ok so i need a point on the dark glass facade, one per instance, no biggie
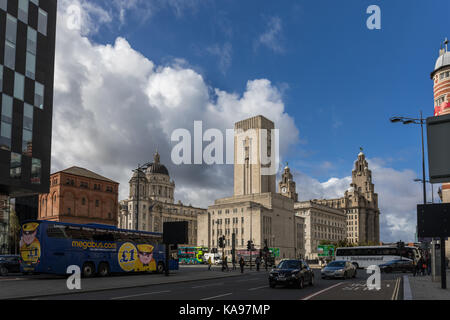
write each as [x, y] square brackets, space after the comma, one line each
[27, 54]
[27, 58]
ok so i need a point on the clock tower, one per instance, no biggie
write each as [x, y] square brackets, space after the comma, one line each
[286, 187]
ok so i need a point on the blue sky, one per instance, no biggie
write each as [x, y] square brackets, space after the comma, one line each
[336, 81]
[341, 81]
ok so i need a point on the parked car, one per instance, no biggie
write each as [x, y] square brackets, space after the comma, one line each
[9, 264]
[291, 272]
[403, 265]
[339, 269]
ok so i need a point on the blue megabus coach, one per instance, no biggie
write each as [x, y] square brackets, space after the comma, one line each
[51, 247]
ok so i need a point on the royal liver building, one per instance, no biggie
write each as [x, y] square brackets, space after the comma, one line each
[153, 191]
[360, 204]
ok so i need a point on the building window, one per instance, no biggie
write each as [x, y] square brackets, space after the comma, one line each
[42, 22]
[30, 65]
[83, 201]
[23, 11]
[444, 75]
[97, 203]
[27, 135]
[16, 166]
[36, 169]
[39, 95]
[6, 122]
[31, 40]
[10, 55]
[440, 100]
[11, 28]
[1, 78]
[19, 86]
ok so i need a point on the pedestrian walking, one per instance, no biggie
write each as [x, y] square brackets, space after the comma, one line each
[234, 263]
[265, 263]
[418, 268]
[241, 264]
[209, 263]
[226, 264]
[257, 262]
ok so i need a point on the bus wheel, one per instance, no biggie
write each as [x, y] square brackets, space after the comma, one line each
[103, 269]
[88, 270]
[356, 265]
[3, 271]
[160, 268]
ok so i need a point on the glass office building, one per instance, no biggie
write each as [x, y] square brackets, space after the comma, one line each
[27, 54]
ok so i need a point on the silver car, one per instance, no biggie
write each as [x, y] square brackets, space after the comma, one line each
[339, 269]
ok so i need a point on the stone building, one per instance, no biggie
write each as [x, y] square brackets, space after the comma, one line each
[78, 195]
[360, 204]
[152, 191]
[321, 222]
[255, 212]
[441, 91]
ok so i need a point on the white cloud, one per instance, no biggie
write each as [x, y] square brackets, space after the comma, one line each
[224, 53]
[271, 38]
[398, 197]
[113, 107]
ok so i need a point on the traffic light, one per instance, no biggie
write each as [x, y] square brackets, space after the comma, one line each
[222, 242]
[249, 245]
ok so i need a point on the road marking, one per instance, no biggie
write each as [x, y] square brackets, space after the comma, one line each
[14, 279]
[396, 289]
[138, 295]
[247, 280]
[257, 288]
[208, 285]
[222, 295]
[407, 294]
[322, 291]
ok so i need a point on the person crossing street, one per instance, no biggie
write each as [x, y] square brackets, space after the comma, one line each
[241, 264]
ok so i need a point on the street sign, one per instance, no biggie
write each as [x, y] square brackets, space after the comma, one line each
[325, 250]
[275, 251]
[433, 220]
[438, 129]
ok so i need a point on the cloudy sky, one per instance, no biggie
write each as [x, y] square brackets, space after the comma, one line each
[130, 72]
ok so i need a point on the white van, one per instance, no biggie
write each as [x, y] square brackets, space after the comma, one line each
[215, 258]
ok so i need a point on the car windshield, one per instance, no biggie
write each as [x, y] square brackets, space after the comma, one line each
[340, 264]
[289, 264]
[392, 261]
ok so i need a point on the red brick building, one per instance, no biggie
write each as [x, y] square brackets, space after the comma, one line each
[78, 195]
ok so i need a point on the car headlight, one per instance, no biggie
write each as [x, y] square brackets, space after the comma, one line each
[340, 271]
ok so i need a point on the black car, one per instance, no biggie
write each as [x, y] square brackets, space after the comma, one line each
[404, 265]
[291, 272]
[9, 264]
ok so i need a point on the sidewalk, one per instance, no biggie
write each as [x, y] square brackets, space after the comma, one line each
[422, 288]
[43, 285]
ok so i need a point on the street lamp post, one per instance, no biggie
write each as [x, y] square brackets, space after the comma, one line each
[432, 188]
[420, 121]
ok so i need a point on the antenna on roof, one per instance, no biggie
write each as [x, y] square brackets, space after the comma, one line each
[446, 44]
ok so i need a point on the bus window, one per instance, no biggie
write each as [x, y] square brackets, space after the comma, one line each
[103, 236]
[56, 232]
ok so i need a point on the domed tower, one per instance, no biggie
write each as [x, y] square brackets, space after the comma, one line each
[287, 185]
[441, 88]
[441, 79]
[160, 187]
